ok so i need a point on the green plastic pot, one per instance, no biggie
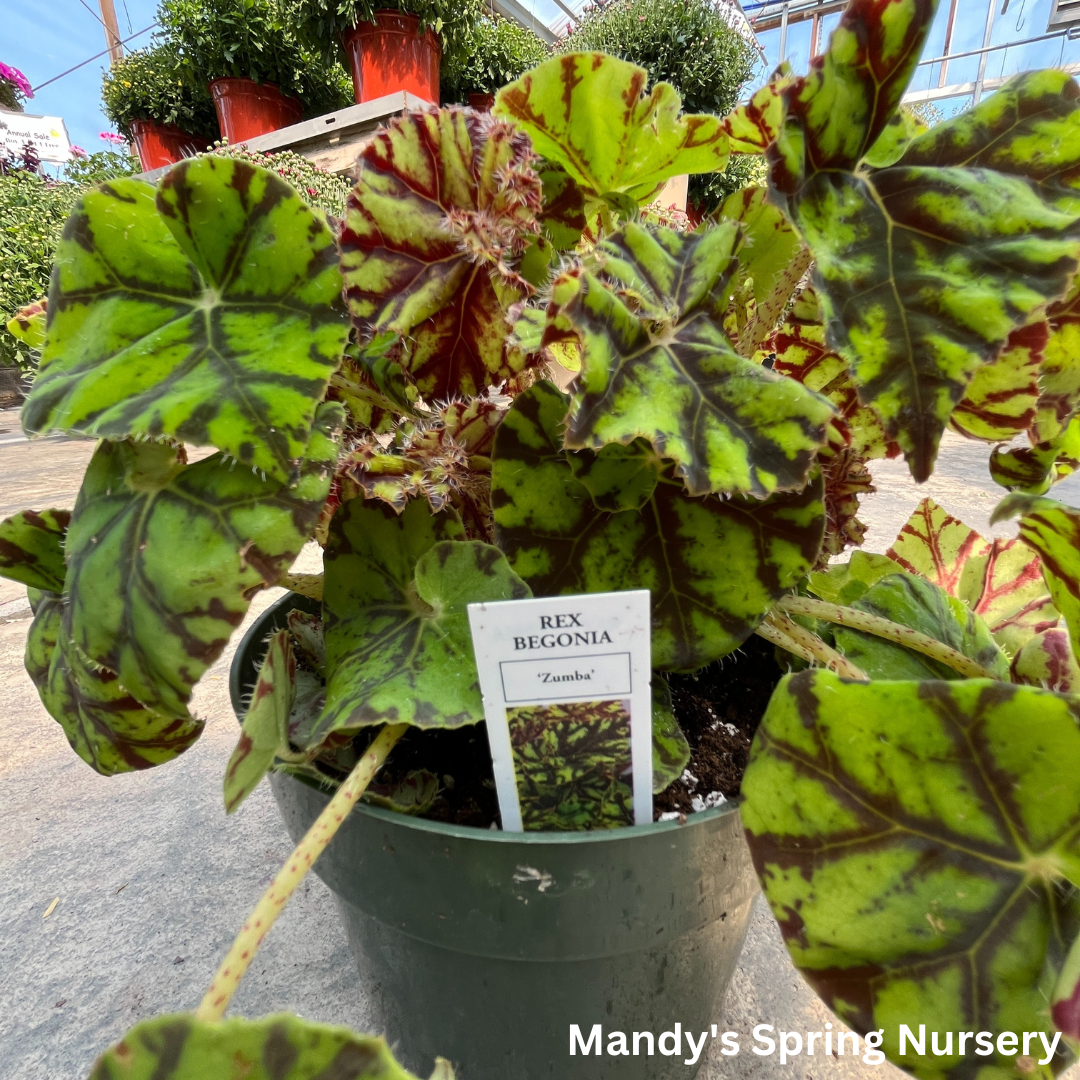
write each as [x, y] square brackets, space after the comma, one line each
[485, 947]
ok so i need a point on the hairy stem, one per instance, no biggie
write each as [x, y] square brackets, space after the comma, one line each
[890, 631]
[806, 645]
[239, 957]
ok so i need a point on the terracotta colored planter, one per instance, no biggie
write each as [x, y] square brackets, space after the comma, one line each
[389, 55]
[247, 109]
[162, 144]
[481, 102]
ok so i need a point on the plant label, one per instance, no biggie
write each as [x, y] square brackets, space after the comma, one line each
[568, 704]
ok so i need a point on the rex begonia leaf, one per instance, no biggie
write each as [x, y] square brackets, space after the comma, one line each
[279, 1047]
[210, 313]
[1052, 529]
[918, 604]
[32, 548]
[105, 725]
[265, 730]
[772, 260]
[1035, 468]
[1001, 581]
[588, 113]
[713, 566]
[670, 749]
[844, 583]
[1059, 374]
[398, 645]
[1003, 396]
[164, 558]
[446, 201]
[656, 364]
[754, 126]
[918, 845]
[926, 266]
[28, 323]
[1047, 660]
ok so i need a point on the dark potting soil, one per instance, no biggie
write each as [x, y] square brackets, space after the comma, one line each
[718, 708]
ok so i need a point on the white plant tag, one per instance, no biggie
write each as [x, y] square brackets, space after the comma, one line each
[568, 704]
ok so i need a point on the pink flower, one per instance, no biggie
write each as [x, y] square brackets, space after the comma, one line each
[112, 137]
[312, 192]
[78, 151]
[17, 79]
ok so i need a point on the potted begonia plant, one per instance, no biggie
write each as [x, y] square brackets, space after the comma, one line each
[390, 47]
[912, 796]
[155, 104]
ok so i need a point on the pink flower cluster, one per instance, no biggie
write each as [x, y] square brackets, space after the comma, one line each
[78, 151]
[112, 137]
[17, 79]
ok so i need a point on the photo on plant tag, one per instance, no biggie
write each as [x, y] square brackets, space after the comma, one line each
[572, 765]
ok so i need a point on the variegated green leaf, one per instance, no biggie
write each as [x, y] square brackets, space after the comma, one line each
[1047, 660]
[412, 795]
[280, 1047]
[445, 204]
[844, 583]
[565, 106]
[714, 566]
[1059, 374]
[619, 477]
[1001, 580]
[656, 364]
[932, 880]
[32, 548]
[210, 313]
[265, 730]
[670, 750]
[772, 260]
[105, 725]
[925, 267]
[914, 602]
[163, 558]
[1035, 468]
[1052, 529]
[398, 647]
[753, 127]
[28, 324]
[1002, 398]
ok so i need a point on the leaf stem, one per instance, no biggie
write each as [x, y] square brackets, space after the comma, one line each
[243, 949]
[890, 631]
[805, 644]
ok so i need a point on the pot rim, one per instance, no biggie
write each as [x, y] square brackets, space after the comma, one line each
[258, 631]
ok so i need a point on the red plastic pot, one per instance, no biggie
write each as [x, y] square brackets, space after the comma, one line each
[390, 55]
[246, 109]
[162, 144]
[481, 102]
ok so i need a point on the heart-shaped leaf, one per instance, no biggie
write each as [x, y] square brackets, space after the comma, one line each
[930, 880]
[210, 313]
[398, 647]
[916, 603]
[656, 364]
[714, 566]
[445, 204]
[32, 548]
[280, 1047]
[163, 558]
[1001, 581]
[926, 266]
[265, 730]
[107, 727]
[1052, 529]
[565, 107]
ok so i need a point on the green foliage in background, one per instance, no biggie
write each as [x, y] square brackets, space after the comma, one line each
[498, 51]
[154, 84]
[690, 44]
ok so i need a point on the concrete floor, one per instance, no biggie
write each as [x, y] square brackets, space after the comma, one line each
[153, 880]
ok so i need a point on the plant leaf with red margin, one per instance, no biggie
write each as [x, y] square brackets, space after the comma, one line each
[1001, 580]
[445, 204]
